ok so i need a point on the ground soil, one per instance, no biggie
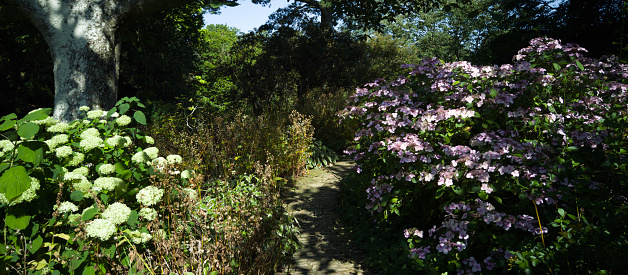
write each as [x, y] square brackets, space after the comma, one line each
[327, 246]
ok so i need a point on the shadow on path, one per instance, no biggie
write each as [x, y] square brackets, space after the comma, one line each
[313, 201]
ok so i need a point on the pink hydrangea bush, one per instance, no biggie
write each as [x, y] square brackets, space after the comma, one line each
[514, 167]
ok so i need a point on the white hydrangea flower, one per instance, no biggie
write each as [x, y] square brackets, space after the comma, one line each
[76, 160]
[187, 174]
[128, 141]
[148, 214]
[28, 195]
[108, 183]
[123, 120]
[84, 108]
[101, 228]
[90, 143]
[152, 152]
[116, 141]
[90, 132]
[117, 212]
[149, 140]
[63, 151]
[138, 237]
[191, 193]
[107, 168]
[140, 157]
[159, 162]
[81, 171]
[67, 206]
[60, 127]
[115, 114]
[49, 121]
[95, 114]
[74, 217]
[6, 145]
[174, 159]
[149, 195]
[57, 140]
[79, 181]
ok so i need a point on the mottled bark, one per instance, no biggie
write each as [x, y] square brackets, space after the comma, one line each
[81, 35]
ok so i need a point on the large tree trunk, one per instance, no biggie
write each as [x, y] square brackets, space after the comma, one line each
[81, 35]
[86, 58]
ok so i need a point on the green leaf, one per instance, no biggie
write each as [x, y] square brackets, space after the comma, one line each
[37, 115]
[579, 65]
[4, 166]
[140, 117]
[77, 195]
[571, 148]
[494, 93]
[17, 223]
[110, 113]
[7, 124]
[123, 108]
[9, 117]
[89, 270]
[133, 218]
[561, 212]
[28, 130]
[104, 198]
[14, 182]
[556, 66]
[218, 4]
[89, 214]
[483, 196]
[32, 152]
[36, 244]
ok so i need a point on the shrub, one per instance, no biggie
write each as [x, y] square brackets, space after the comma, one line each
[74, 195]
[519, 167]
[239, 226]
[230, 144]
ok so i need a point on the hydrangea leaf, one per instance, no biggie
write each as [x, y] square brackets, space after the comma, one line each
[90, 213]
[31, 151]
[28, 130]
[7, 124]
[17, 223]
[110, 113]
[77, 195]
[133, 218]
[37, 115]
[4, 166]
[140, 117]
[123, 108]
[14, 182]
[36, 244]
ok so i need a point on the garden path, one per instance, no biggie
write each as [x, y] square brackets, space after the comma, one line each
[313, 201]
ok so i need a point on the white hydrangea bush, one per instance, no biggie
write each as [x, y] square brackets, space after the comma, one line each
[94, 174]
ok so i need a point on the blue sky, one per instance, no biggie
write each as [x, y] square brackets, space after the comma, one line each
[246, 16]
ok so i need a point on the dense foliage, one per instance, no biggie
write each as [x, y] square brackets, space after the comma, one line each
[519, 167]
[93, 196]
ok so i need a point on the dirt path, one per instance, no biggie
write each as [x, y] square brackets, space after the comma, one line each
[327, 248]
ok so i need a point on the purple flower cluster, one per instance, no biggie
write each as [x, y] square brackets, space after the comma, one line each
[485, 131]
